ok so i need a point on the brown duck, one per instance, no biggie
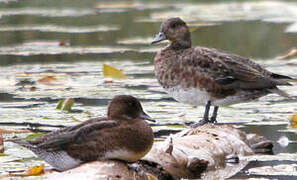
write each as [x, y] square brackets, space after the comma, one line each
[122, 135]
[208, 76]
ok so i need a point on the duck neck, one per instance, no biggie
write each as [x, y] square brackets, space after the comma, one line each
[183, 43]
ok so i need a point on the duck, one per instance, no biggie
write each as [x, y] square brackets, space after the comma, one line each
[203, 76]
[122, 135]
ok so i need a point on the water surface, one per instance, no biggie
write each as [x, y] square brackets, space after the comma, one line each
[71, 39]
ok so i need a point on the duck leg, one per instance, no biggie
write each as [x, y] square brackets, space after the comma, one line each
[205, 117]
[213, 118]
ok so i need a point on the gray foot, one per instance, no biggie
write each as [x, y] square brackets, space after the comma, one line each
[200, 123]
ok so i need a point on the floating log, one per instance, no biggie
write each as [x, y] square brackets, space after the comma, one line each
[209, 151]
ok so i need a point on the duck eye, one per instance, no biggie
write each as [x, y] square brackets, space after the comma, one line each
[131, 104]
[173, 25]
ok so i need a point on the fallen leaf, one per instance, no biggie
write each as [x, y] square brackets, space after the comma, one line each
[108, 80]
[32, 88]
[151, 177]
[47, 79]
[112, 72]
[14, 131]
[33, 136]
[32, 171]
[293, 121]
[65, 104]
[1, 143]
[292, 53]
[64, 43]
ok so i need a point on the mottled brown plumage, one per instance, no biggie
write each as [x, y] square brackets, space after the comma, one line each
[123, 135]
[201, 75]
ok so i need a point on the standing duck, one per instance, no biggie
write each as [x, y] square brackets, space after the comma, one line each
[208, 76]
[122, 135]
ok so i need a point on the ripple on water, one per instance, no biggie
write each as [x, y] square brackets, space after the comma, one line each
[48, 12]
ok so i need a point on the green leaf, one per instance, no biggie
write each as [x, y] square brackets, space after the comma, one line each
[65, 104]
[33, 136]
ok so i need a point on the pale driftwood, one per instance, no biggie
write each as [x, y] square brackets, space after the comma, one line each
[192, 153]
[99, 170]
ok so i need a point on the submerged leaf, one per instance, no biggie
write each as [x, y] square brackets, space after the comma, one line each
[33, 136]
[65, 104]
[112, 72]
[294, 121]
[47, 79]
[32, 171]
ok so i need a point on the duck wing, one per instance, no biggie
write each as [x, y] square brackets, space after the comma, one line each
[235, 72]
[60, 139]
[76, 134]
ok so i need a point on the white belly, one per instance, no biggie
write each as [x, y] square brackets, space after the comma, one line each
[197, 97]
[191, 96]
[125, 155]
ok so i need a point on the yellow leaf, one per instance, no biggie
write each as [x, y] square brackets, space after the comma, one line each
[112, 72]
[32, 171]
[294, 121]
[47, 79]
[151, 177]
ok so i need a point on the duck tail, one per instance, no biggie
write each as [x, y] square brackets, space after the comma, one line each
[279, 76]
[283, 77]
[23, 143]
[280, 92]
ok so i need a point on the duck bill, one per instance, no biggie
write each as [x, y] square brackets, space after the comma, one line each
[143, 115]
[160, 37]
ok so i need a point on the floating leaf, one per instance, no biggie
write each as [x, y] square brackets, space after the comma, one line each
[32, 171]
[151, 177]
[108, 80]
[64, 43]
[65, 104]
[112, 72]
[1, 143]
[294, 121]
[47, 79]
[292, 53]
[33, 136]
[2, 154]
[14, 131]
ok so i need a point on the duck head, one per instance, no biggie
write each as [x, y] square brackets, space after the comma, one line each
[176, 31]
[126, 107]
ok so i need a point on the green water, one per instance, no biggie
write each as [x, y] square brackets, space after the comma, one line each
[119, 34]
